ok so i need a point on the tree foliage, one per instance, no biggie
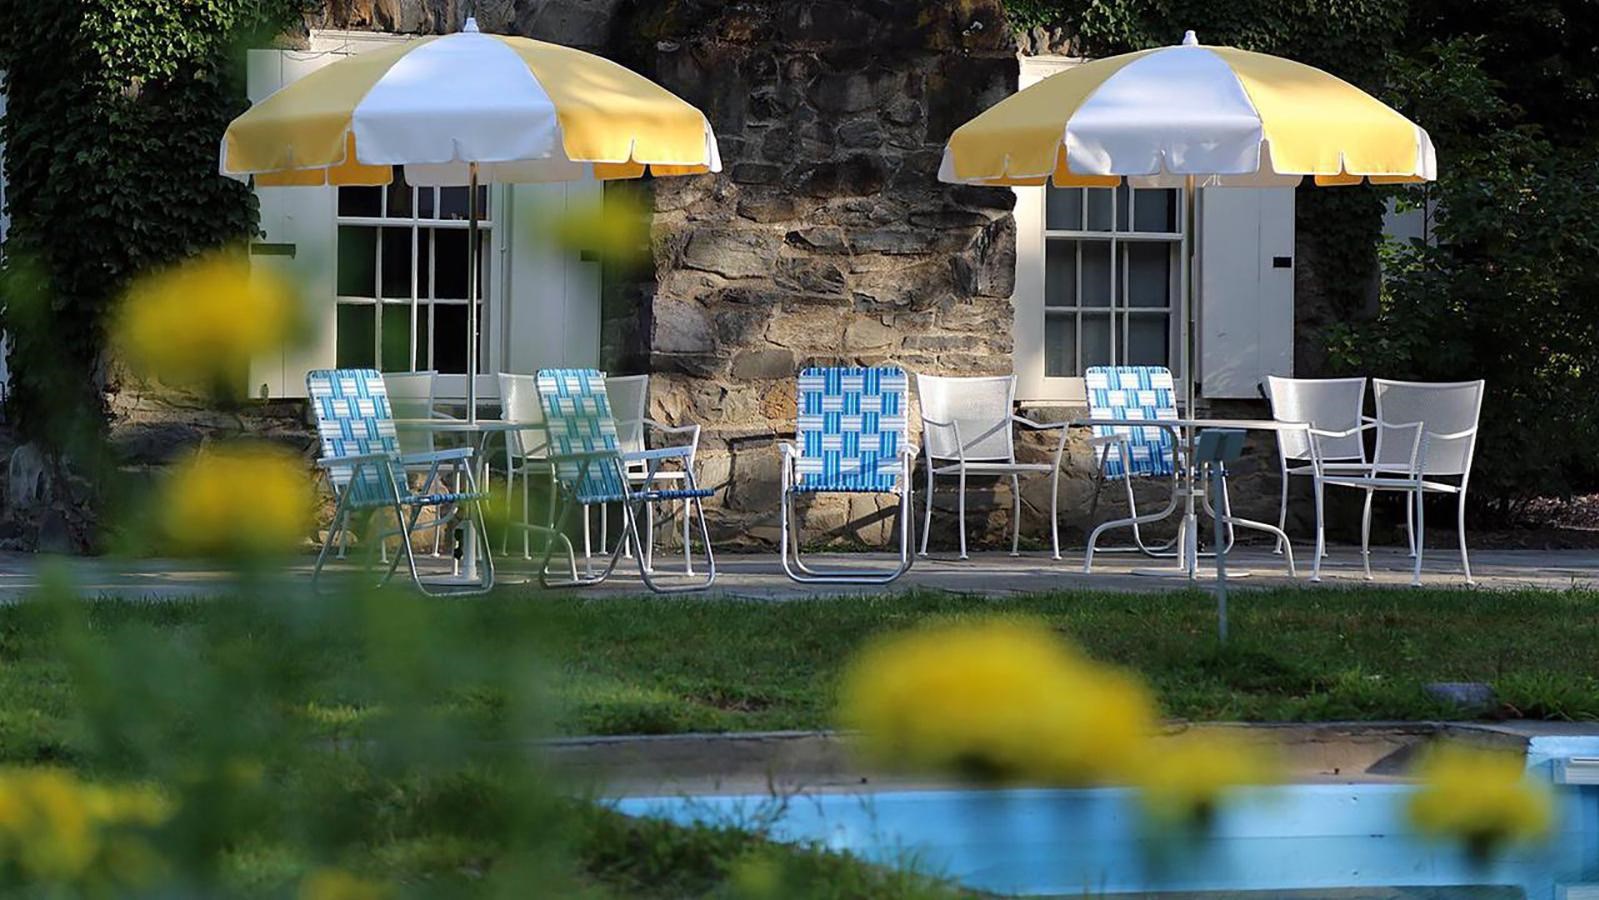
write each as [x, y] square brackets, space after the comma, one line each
[114, 113]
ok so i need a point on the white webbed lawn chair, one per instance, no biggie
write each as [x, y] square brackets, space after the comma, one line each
[851, 435]
[362, 459]
[1426, 434]
[630, 398]
[1332, 409]
[591, 468]
[968, 428]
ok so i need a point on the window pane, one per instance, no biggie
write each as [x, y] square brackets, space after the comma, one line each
[1063, 209]
[1147, 340]
[424, 256]
[424, 327]
[425, 204]
[356, 327]
[449, 263]
[449, 336]
[1098, 208]
[452, 202]
[1148, 273]
[399, 195]
[396, 337]
[1060, 347]
[360, 201]
[1155, 210]
[397, 263]
[1096, 340]
[1096, 273]
[1124, 205]
[1060, 273]
[357, 275]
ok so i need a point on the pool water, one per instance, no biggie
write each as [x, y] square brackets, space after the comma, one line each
[1319, 840]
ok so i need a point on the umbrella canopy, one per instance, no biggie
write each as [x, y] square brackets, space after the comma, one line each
[522, 110]
[1223, 115]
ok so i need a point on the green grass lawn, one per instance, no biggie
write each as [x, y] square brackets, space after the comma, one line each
[120, 690]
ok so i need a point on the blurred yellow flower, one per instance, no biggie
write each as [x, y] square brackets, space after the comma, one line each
[615, 227]
[996, 700]
[200, 323]
[1183, 779]
[244, 499]
[337, 884]
[1482, 798]
[57, 829]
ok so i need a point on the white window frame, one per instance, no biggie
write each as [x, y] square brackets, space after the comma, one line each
[1029, 305]
[451, 386]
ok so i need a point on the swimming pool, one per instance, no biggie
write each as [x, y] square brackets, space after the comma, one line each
[1305, 837]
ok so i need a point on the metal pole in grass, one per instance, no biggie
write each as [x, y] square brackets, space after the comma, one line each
[1216, 447]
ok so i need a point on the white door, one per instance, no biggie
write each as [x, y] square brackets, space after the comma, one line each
[1246, 290]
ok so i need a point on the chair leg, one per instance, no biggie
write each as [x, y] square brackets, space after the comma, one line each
[1410, 522]
[1282, 509]
[527, 515]
[1421, 521]
[688, 557]
[1365, 535]
[927, 524]
[960, 505]
[1465, 560]
[647, 552]
[337, 531]
[1054, 511]
[1015, 516]
[1321, 535]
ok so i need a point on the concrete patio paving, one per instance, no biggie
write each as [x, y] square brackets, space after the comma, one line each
[758, 576]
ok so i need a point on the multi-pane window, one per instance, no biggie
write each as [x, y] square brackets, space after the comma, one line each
[403, 266]
[1112, 269]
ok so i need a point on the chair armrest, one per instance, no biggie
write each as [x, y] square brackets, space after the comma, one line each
[1039, 426]
[454, 453]
[1100, 440]
[357, 459]
[445, 417]
[672, 429]
[1348, 432]
[584, 457]
[679, 452]
[1452, 436]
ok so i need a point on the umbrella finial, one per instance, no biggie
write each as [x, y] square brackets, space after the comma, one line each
[1189, 39]
[471, 25]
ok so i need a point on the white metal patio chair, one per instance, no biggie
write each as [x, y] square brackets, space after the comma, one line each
[412, 396]
[526, 456]
[1426, 435]
[850, 437]
[630, 398]
[362, 459]
[968, 428]
[1332, 408]
[591, 469]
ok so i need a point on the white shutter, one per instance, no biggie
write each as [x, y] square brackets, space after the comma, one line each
[299, 241]
[1246, 291]
[5, 211]
[553, 296]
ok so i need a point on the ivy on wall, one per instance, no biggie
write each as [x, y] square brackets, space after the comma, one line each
[114, 112]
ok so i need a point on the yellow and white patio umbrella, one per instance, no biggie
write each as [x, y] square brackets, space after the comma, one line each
[1189, 116]
[464, 109]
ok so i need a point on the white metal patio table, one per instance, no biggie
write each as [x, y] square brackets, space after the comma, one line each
[483, 430]
[1185, 433]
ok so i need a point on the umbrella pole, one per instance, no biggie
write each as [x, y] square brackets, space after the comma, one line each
[475, 255]
[1190, 292]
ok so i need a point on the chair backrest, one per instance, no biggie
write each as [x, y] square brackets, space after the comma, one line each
[519, 403]
[411, 396]
[577, 418]
[630, 397]
[1441, 408]
[351, 407]
[851, 428]
[979, 407]
[1326, 404]
[1134, 392]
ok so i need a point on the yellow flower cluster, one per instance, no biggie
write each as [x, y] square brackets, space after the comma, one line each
[337, 884]
[615, 227]
[999, 700]
[1480, 797]
[1182, 778]
[57, 829]
[244, 499]
[1006, 699]
[200, 323]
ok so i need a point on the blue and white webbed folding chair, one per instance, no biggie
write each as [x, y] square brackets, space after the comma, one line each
[361, 457]
[1126, 452]
[850, 437]
[591, 468]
